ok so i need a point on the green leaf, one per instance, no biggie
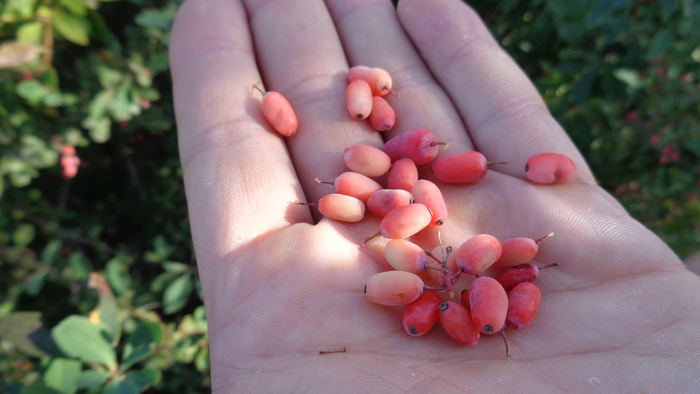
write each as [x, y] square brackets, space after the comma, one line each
[31, 90]
[142, 343]
[76, 7]
[37, 389]
[177, 294]
[201, 360]
[70, 27]
[37, 152]
[18, 9]
[101, 131]
[109, 314]
[91, 379]
[628, 76]
[51, 251]
[35, 283]
[53, 99]
[175, 267]
[156, 19]
[668, 5]
[77, 337]
[31, 33]
[117, 274]
[21, 329]
[159, 283]
[62, 375]
[659, 44]
[24, 234]
[132, 382]
[79, 267]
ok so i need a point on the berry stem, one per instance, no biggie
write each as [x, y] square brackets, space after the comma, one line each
[343, 350]
[502, 333]
[447, 144]
[308, 204]
[538, 241]
[320, 181]
[255, 86]
[397, 94]
[547, 266]
[378, 233]
[442, 262]
[497, 162]
[435, 288]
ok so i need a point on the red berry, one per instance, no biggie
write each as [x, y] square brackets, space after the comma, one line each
[546, 168]
[523, 303]
[488, 302]
[464, 298]
[467, 167]
[422, 314]
[511, 277]
[458, 323]
[419, 145]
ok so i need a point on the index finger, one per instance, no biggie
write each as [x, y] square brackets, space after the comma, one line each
[505, 115]
[239, 177]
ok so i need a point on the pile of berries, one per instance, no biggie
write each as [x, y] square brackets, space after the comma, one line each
[502, 293]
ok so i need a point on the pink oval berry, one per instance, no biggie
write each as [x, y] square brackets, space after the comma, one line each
[405, 221]
[394, 288]
[367, 160]
[406, 256]
[517, 251]
[523, 304]
[478, 253]
[546, 168]
[381, 202]
[382, 117]
[354, 184]
[359, 99]
[488, 303]
[403, 174]
[427, 193]
[341, 207]
[279, 113]
[378, 79]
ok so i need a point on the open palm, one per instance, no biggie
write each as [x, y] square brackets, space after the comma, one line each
[619, 315]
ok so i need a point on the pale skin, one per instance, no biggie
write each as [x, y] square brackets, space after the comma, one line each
[619, 315]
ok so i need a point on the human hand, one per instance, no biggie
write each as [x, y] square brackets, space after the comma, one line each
[619, 314]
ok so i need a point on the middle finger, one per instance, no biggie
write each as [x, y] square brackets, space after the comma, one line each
[300, 56]
[372, 36]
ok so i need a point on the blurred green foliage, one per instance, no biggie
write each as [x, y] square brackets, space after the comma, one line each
[99, 285]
